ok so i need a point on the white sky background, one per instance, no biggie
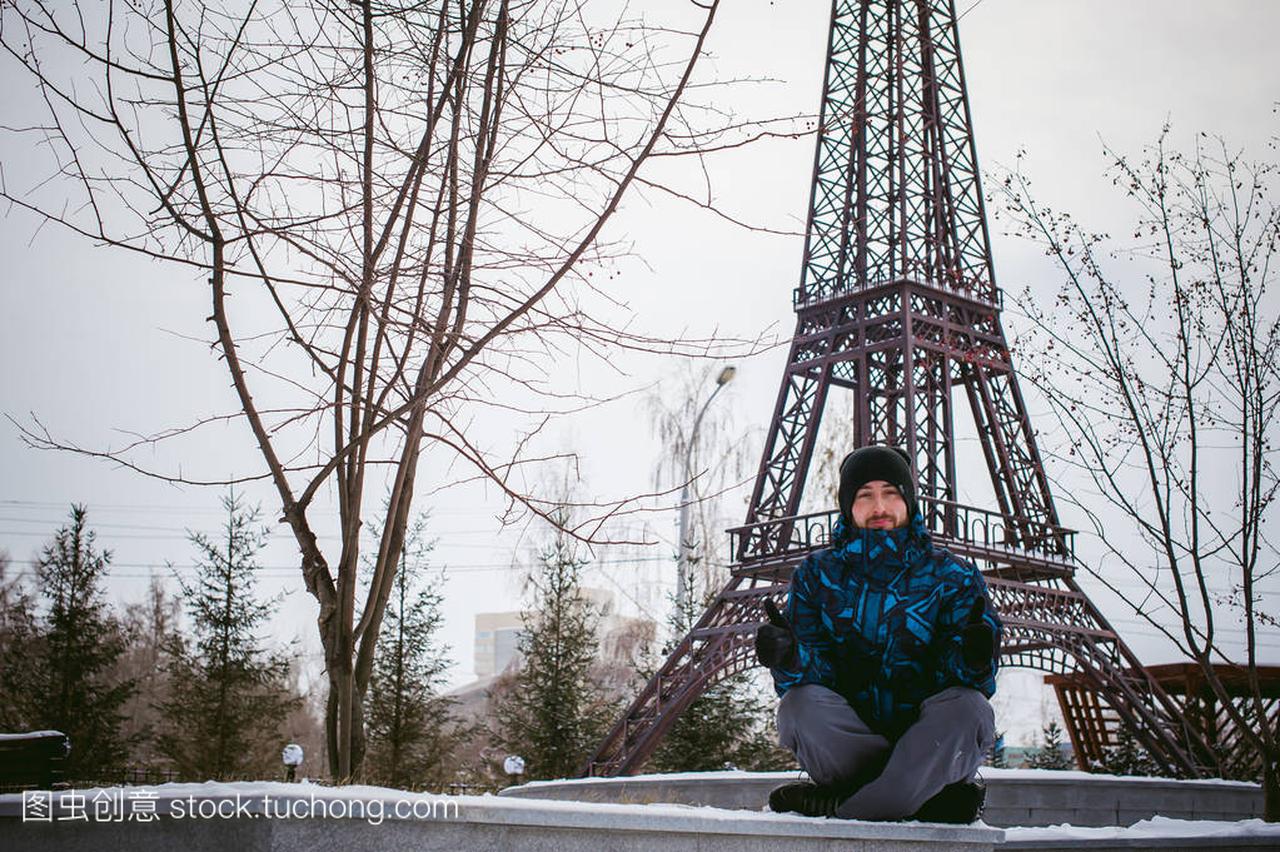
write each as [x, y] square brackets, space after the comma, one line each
[99, 345]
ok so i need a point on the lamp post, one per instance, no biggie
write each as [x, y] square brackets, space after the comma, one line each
[292, 759]
[514, 767]
[686, 548]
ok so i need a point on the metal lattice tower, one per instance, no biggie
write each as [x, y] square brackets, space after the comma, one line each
[898, 310]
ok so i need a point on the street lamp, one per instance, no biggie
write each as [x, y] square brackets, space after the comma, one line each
[514, 767]
[292, 759]
[686, 546]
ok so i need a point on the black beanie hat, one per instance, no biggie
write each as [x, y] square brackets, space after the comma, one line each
[868, 464]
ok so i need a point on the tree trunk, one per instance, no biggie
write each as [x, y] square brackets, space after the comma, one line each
[1271, 788]
[344, 726]
[331, 729]
[357, 732]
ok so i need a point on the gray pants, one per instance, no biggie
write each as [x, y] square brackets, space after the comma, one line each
[947, 744]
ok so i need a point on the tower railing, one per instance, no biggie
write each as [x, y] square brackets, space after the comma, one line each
[950, 522]
[978, 289]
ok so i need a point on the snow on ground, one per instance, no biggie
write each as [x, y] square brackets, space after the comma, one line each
[710, 775]
[987, 773]
[1147, 829]
[1156, 826]
[374, 803]
[1076, 776]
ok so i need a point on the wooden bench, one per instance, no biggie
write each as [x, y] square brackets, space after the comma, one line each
[33, 761]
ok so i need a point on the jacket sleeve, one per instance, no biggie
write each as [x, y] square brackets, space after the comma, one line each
[814, 646]
[952, 669]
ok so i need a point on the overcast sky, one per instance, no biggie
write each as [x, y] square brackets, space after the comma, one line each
[98, 345]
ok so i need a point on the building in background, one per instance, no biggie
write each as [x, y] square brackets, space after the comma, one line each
[497, 635]
[622, 639]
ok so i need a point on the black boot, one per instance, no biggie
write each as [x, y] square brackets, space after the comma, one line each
[808, 799]
[959, 803]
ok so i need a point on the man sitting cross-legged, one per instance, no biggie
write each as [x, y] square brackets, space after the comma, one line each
[884, 660]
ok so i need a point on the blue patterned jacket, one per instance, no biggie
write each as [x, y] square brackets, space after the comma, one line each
[878, 618]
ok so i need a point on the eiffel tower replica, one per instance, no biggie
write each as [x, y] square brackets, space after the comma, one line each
[898, 310]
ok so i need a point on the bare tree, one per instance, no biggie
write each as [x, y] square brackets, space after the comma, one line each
[731, 722]
[150, 625]
[1159, 358]
[703, 460]
[398, 208]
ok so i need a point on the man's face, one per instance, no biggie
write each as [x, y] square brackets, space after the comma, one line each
[879, 506]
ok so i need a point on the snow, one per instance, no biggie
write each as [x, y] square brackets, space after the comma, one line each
[1076, 776]
[1065, 776]
[1147, 829]
[280, 790]
[710, 775]
[490, 807]
[500, 809]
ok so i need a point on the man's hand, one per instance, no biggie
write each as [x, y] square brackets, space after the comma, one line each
[978, 641]
[775, 641]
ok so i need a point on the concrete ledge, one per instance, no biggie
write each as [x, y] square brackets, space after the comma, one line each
[465, 822]
[1154, 834]
[265, 817]
[1038, 797]
[1015, 797]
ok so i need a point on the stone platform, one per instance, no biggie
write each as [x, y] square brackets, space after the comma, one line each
[1015, 797]
[445, 823]
[266, 817]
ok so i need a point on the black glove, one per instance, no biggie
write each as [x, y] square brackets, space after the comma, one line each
[977, 639]
[775, 642]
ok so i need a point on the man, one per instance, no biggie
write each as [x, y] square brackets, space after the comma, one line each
[884, 661]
